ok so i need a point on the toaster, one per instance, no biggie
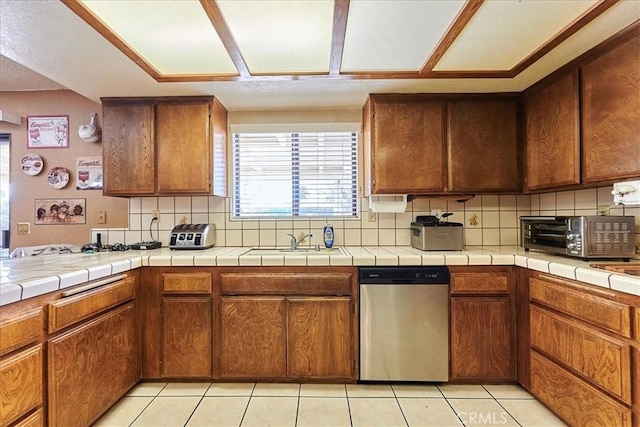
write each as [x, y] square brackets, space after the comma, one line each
[192, 236]
[428, 233]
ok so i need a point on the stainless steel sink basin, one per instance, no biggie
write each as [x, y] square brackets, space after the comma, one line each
[297, 252]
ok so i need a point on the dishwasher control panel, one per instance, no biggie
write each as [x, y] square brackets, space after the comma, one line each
[417, 275]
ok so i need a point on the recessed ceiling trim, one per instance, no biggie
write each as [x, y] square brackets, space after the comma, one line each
[466, 13]
[340, 14]
[217, 20]
[563, 35]
[92, 20]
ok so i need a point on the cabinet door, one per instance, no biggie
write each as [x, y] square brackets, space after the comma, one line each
[611, 114]
[320, 337]
[91, 367]
[482, 145]
[253, 337]
[407, 147]
[186, 337]
[553, 135]
[128, 149]
[20, 384]
[481, 339]
[184, 145]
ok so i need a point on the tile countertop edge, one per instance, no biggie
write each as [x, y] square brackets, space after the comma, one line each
[569, 268]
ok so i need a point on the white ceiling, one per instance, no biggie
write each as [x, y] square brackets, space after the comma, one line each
[44, 45]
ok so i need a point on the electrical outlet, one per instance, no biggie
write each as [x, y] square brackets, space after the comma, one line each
[155, 214]
[371, 216]
[102, 217]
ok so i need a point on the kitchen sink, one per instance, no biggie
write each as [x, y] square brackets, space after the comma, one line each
[294, 252]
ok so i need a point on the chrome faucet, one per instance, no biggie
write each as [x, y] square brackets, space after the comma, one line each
[295, 242]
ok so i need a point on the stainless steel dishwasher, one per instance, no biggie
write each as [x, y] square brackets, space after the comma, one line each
[404, 323]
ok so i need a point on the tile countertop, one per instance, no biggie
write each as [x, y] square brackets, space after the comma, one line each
[22, 278]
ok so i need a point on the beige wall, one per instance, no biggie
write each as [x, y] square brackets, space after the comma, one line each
[25, 189]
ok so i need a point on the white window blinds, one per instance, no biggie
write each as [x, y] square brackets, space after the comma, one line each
[306, 174]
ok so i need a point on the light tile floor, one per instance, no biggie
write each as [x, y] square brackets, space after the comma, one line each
[302, 405]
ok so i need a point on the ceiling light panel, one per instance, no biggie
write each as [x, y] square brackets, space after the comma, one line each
[281, 36]
[503, 33]
[396, 35]
[175, 37]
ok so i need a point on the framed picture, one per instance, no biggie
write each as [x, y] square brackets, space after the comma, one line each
[47, 131]
[60, 211]
[89, 173]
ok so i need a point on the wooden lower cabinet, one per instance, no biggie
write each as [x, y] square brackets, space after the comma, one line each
[253, 338]
[320, 337]
[575, 401]
[21, 388]
[277, 337]
[186, 337]
[482, 331]
[91, 366]
[34, 420]
[481, 339]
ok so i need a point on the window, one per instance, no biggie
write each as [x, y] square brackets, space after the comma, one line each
[295, 174]
[4, 194]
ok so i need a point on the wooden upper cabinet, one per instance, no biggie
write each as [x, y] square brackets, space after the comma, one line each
[611, 114]
[174, 145]
[482, 145]
[404, 145]
[183, 147]
[552, 136]
[128, 149]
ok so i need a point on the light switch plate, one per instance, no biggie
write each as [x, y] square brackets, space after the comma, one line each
[24, 228]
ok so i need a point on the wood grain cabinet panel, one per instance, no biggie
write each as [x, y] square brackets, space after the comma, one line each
[186, 336]
[253, 337]
[611, 114]
[602, 312]
[553, 135]
[286, 283]
[68, 311]
[404, 146]
[482, 145]
[128, 148]
[573, 400]
[37, 419]
[91, 366]
[20, 330]
[183, 136]
[482, 339]
[319, 337]
[484, 283]
[21, 384]
[603, 360]
[186, 283]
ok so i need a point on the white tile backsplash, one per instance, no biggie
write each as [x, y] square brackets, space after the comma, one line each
[488, 219]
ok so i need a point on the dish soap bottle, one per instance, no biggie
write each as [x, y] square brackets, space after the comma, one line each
[327, 234]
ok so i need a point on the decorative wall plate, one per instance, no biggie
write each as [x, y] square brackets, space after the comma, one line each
[32, 164]
[58, 177]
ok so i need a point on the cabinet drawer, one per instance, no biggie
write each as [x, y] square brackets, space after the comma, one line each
[18, 331]
[572, 399]
[603, 360]
[180, 283]
[480, 283]
[602, 312]
[21, 384]
[65, 312]
[34, 420]
[286, 283]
